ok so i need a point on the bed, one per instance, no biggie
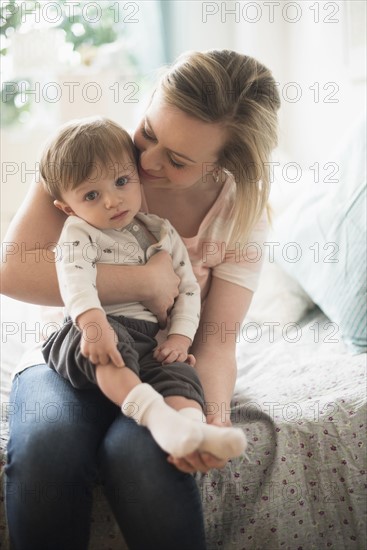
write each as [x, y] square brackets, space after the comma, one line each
[301, 400]
[301, 390]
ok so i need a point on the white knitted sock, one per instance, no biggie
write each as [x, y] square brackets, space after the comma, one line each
[175, 434]
[224, 443]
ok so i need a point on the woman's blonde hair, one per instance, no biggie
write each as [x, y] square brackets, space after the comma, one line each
[79, 146]
[238, 92]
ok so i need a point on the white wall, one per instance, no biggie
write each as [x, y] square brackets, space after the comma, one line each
[194, 28]
[315, 49]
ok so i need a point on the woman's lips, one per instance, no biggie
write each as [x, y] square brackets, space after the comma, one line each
[145, 174]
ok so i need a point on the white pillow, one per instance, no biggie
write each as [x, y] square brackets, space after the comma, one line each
[279, 298]
[327, 226]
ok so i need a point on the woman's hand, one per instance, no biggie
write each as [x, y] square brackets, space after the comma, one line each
[164, 284]
[201, 462]
[197, 462]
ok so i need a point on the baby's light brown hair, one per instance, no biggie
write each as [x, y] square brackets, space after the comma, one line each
[78, 147]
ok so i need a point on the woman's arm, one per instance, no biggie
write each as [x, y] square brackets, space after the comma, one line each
[215, 345]
[214, 348]
[28, 268]
[28, 265]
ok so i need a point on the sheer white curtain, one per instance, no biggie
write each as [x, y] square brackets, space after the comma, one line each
[316, 50]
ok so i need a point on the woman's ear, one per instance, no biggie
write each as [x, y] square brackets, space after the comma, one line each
[64, 207]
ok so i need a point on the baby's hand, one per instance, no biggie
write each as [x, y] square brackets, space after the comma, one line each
[173, 349]
[103, 351]
[98, 342]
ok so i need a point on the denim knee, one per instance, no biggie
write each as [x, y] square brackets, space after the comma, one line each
[55, 431]
[155, 505]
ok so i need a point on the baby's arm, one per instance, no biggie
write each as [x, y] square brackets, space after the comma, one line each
[185, 315]
[77, 278]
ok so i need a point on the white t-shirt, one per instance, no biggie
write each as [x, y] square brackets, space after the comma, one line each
[83, 246]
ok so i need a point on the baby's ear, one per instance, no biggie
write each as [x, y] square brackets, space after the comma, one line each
[64, 207]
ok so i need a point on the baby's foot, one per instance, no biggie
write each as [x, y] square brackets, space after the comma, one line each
[224, 443]
[175, 434]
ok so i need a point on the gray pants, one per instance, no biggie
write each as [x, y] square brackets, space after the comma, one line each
[136, 343]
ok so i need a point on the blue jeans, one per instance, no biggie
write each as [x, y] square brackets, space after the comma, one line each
[62, 441]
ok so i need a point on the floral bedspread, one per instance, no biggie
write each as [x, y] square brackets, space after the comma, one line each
[301, 400]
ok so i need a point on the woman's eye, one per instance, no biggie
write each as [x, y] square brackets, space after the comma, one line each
[146, 135]
[121, 181]
[91, 196]
[151, 138]
[175, 164]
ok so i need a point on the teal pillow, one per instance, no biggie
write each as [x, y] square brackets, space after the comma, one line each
[322, 241]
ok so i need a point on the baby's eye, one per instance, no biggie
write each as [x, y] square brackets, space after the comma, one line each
[121, 181]
[91, 196]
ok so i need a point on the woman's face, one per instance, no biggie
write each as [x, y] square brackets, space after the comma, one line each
[176, 150]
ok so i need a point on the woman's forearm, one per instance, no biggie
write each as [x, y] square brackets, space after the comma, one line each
[27, 266]
[215, 343]
[32, 277]
[217, 373]
[120, 284]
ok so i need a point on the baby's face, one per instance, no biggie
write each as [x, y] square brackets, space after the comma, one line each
[109, 198]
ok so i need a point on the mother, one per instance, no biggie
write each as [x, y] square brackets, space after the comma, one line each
[204, 144]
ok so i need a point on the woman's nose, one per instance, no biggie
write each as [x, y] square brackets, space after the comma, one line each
[151, 158]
